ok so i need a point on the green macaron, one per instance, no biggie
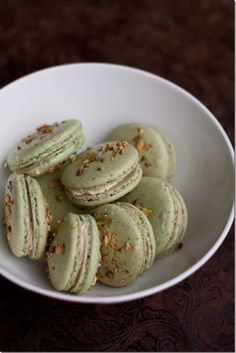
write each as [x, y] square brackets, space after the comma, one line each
[74, 254]
[27, 217]
[166, 209]
[46, 148]
[128, 243]
[102, 174]
[53, 190]
[156, 152]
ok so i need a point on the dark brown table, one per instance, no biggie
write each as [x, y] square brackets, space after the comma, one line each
[189, 42]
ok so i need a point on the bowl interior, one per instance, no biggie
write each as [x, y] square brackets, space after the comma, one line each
[102, 97]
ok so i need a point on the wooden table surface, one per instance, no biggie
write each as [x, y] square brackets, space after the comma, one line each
[189, 42]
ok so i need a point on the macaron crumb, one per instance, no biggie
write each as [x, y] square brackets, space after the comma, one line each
[146, 211]
[54, 184]
[179, 246]
[60, 197]
[110, 274]
[59, 249]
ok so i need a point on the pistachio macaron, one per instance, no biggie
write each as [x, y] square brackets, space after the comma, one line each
[46, 148]
[74, 254]
[156, 152]
[166, 211]
[102, 174]
[27, 218]
[128, 243]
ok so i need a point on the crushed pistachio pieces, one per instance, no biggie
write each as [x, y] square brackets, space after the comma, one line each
[54, 184]
[60, 197]
[59, 249]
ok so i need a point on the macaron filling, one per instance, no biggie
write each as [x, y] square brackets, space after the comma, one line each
[107, 187]
[80, 246]
[43, 157]
[30, 236]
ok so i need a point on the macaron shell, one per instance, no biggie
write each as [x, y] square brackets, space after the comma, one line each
[155, 152]
[154, 195]
[122, 246]
[46, 147]
[146, 231]
[17, 215]
[40, 220]
[53, 191]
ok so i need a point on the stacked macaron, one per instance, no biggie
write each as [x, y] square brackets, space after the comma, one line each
[106, 213]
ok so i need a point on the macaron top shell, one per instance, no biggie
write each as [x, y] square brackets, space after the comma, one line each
[122, 245]
[156, 152]
[99, 166]
[47, 142]
[156, 196]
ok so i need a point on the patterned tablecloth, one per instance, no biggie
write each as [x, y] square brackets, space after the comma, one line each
[188, 42]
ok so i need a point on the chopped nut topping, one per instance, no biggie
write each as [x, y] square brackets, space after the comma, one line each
[60, 248]
[104, 257]
[72, 159]
[146, 211]
[127, 246]
[104, 220]
[60, 197]
[139, 144]
[139, 141]
[110, 274]
[54, 184]
[80, 171]
[28, 139]
[45, 129]
[106, 240]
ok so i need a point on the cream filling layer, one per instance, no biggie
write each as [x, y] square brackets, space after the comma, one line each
[100, 190]
[177, 221]
[80, 259]
[30, 235]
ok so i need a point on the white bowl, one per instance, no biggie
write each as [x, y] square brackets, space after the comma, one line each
[103, 96]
